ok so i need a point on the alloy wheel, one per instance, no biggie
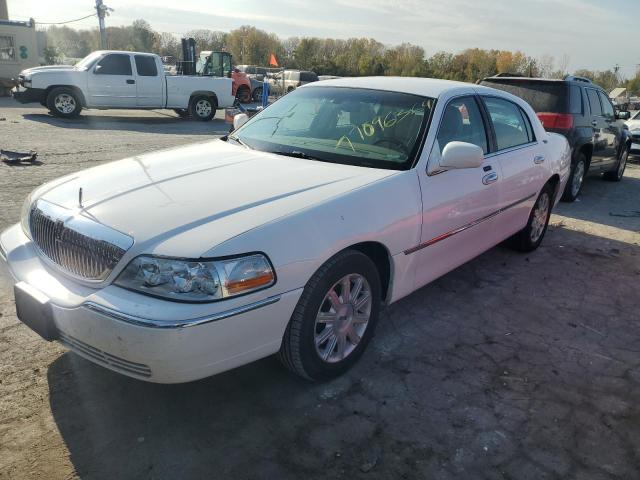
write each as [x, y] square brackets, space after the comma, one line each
[540, 215]
[578, 178]
[203, 108]
[343, 317]
[65, 103]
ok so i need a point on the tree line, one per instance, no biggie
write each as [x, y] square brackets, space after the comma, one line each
[326, 56]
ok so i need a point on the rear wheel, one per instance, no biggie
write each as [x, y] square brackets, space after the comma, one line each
[530, 237]
[203, 108]
[64, 102]
[576, 178]
[257, 94]
[335, 318]
[243, 94]
[617, 174]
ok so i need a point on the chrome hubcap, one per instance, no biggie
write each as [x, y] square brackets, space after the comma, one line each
[203, 108]
[343, 318]
[65, 103]
[578, 177]
[540, 214]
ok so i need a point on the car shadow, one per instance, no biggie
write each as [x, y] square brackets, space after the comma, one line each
[482, 359]
[160, 122]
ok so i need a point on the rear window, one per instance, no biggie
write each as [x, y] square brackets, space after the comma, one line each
[146, 66]
[308, 77]
[543, 96]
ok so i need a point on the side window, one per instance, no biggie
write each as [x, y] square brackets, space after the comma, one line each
[509, 124]
[607, 108]
[575, 99]
[594, 102]
[146, 66]
[462, 122]
[114, 64]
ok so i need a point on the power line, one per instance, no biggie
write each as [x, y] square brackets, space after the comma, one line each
[68, 21]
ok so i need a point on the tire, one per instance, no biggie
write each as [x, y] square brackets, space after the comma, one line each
[243, 94]
[203, 108]
[257, 94]
[64, 102]
[312, 343]
[290, 89]
[576, 179]
[530, 237]
[616, 174]
[182, 112]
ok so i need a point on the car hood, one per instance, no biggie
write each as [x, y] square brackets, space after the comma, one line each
[186, 200]
[48, 68]
[633, 125]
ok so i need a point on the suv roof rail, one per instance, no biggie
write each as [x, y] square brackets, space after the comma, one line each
[574, 78]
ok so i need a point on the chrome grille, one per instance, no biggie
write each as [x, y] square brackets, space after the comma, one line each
[80, 246]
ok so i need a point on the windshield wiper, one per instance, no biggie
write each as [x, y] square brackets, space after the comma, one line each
[299, 154]
[237, 140]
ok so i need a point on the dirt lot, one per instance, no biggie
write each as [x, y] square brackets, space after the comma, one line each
[511, 367]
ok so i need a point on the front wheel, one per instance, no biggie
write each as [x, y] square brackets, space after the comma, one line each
[576, 179]
[64, 102]
[335, 318]
[203, 108]
[530, 237]
[617, 174]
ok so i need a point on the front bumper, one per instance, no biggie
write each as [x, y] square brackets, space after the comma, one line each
[29, 95]
[147, 338]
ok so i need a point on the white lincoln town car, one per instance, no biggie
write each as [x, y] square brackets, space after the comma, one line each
[288, 235]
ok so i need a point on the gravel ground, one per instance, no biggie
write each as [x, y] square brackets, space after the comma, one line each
[511, 367]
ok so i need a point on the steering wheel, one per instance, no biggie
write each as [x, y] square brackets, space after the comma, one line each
[393, 141]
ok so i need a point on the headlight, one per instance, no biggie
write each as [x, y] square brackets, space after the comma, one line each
[197, 280]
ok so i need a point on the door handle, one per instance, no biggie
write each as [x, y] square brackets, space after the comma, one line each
[538, 159]
[130, 82]
[490, 178]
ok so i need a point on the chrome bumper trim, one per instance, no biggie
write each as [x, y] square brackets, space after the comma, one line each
[151, 323]
[451, 233]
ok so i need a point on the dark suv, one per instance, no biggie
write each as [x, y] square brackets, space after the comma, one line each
[582, 112]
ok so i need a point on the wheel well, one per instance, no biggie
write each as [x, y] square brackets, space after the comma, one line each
[587, 149]
[554, 182]
[75, 89]
[379, 255]
[204, 93]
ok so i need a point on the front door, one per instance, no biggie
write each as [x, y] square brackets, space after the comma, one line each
[459, 206]
[602, 150]
[611, 133]
[149, 82]
[111, 82]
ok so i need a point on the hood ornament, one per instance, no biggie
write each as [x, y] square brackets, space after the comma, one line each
[80, 198]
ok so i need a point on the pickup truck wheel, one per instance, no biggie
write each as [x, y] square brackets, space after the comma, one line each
[182, 112]
[335, 318]
[64, 102]
[243, 94]
[617, 174]
[203, 108]
[576, 179]
[530, 237]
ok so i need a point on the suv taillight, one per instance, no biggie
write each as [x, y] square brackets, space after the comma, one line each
[559, 121]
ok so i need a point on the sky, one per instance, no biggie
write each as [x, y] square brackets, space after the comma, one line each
[594, 34]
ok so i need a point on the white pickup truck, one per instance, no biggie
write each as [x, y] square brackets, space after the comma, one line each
[116, 79]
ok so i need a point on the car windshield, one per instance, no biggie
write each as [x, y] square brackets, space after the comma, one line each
[88, 61]
[355, 126]
[636, 116]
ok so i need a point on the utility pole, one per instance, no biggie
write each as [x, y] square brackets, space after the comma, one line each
[102, 11]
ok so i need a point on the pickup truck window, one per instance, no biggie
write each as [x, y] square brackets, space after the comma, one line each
[114, 64]
[146, 66]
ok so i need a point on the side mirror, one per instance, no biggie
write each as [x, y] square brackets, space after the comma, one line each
[623, 115]
[97, 69]
[461, 155]
[239, 120]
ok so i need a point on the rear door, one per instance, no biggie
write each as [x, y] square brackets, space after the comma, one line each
[149, 82]
[521, 159]
[459, 205]
[111, 82]
[600, 127]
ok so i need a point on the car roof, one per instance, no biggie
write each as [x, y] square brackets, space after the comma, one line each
[427, 87]
[125, 51]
